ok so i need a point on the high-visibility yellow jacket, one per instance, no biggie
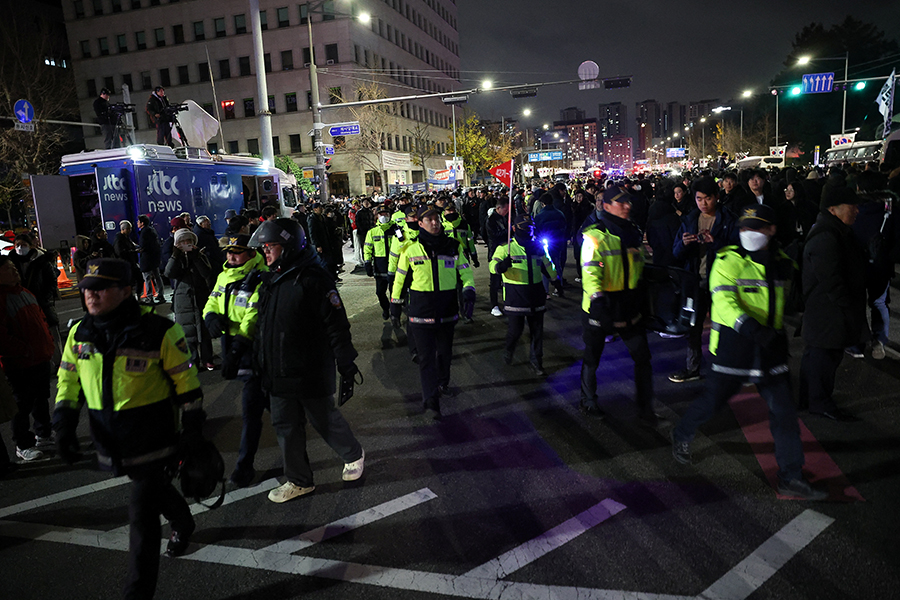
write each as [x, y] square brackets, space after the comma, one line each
[133, 384]
[236, 296]
[742, 301]
[409, 236]
[462, 233]
[431, 276]
[612, 271]
[523, 286]
[377, 248]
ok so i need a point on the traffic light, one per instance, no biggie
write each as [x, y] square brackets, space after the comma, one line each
[617, 82]
[860, 85]
[796, 90]
[327, 165]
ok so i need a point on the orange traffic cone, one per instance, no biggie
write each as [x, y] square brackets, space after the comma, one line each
[152, 292]
[62, 282]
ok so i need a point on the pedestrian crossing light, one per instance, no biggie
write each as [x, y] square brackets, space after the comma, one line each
[796, 90]
[859, 85]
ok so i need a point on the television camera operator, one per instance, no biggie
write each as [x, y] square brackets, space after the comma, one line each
[161, 116]
[106, 119]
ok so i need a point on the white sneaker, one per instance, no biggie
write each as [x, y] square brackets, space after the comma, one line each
[496, 311]
[878, 351]
[354, 470]
[289, 491]
[43, 442]
[29, 454]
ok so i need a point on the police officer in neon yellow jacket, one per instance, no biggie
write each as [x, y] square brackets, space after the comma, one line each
[430, 268]
[376, 253]
[133, 369]
[749, 284]
[612, 265]
[523, 264]
[230, 313]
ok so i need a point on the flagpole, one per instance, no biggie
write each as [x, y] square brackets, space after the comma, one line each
[512, 169]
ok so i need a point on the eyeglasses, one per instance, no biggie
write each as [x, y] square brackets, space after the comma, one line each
[270, 247]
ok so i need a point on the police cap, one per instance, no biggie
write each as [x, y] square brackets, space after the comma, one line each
[103, 273]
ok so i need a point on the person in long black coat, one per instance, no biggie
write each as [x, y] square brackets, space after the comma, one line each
[190, 267]
[834, 292]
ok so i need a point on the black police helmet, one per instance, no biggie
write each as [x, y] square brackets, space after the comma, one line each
[286, 232]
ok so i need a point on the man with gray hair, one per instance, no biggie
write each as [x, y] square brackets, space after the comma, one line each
[209, 243]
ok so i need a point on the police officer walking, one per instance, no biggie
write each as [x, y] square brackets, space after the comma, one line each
[612, 265]
[133, 369]
[523, 264]
[231, 313]
[303, 332]
[430, 268]
[749, 345]
[377, 253]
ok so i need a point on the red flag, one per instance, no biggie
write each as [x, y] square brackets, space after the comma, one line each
[504, 173]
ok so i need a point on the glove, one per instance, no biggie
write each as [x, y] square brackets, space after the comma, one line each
[475, 262]
[370, 270]
[599, 311]
[396, 312]
[348, 371]
[215, 324]
[504, 265]
[231, 362]
[65, 423]
[767, 338]
[468, 302]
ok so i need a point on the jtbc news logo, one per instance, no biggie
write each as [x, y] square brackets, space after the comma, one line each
[113, 183]
[160, 183]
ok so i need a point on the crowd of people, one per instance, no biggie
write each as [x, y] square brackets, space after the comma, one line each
[758, 246]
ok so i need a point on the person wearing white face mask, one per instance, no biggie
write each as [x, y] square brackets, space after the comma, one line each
[749, 345]
[191, 270]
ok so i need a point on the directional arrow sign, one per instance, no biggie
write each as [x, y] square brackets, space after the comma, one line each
[344, 129]
[818, 83]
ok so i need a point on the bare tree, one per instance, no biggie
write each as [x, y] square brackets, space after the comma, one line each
[374, 122]
[27, 46]
[422, 145]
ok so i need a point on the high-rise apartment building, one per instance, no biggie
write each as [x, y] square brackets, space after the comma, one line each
[406, 47]
[618, 152]
[613, 120]
[650, 112]
[582, 138]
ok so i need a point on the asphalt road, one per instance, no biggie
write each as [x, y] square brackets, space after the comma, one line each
[514, 494]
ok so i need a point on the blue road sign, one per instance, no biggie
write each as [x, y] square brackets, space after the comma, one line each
[545, 156]
[24, 111]
[329, 149]
[344, 129]
[818, 83]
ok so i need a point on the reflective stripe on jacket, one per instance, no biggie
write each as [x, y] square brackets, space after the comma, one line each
[603, 269]
[523, 286]
[236, 296]
[432, 281]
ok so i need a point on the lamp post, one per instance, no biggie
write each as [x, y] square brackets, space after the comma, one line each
[265, 117]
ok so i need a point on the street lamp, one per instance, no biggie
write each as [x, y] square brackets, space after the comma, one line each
[747, 93]
[804, 60]
[526, 112]
[487, 84]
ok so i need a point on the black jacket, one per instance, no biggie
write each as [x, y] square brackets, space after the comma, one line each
[155, 105]
[148, 242]
[496, 228]
[38, 271]
[193, 273]
[834, 286]
[207, 241]
[101, 109]
[725, 232]
[302, 330]
[662, 227]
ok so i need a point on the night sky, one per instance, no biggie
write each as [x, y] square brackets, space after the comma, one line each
[683, 50]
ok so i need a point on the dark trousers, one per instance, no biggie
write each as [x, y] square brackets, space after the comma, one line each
[782, 417]
[109, 136]
[434, 344]
[164, 133]
[495, 282]
[253, 402]
[535, 329]
[558, 253]
[289, 417]
[817, 370]
[695, 335]
[31, 390]
[152, 494]
[381, 291]
[635, 339]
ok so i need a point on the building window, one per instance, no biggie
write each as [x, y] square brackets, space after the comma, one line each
[334, 95]
[183, 78]
[240, 24]
[290, 102]
[244, 65]
[104, 46]
[249, 108]
[121, 43]
[199, 31]
[164, 79]
[328, 10]
[283, 17]
[263, 20]
[141, 39]
[145, 80]
[117, 6]
[253, 146]
[304, 13]
[203, 71]
[306, 57]
[79, 11]
[233, 147]
[271, 102]
[295, 143]
[331, 52]
[276, 145]
[267, 62]
[212, 148]
[287, 60]
[228, 111]
[224, 69]
[160, 36]
[98, 7]
[220, 27]
[85, 48]
[126, 80]
[92, 88]
[178, 34]
[308, 100]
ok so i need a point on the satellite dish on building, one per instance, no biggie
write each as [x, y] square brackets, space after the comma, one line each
[588, 72]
